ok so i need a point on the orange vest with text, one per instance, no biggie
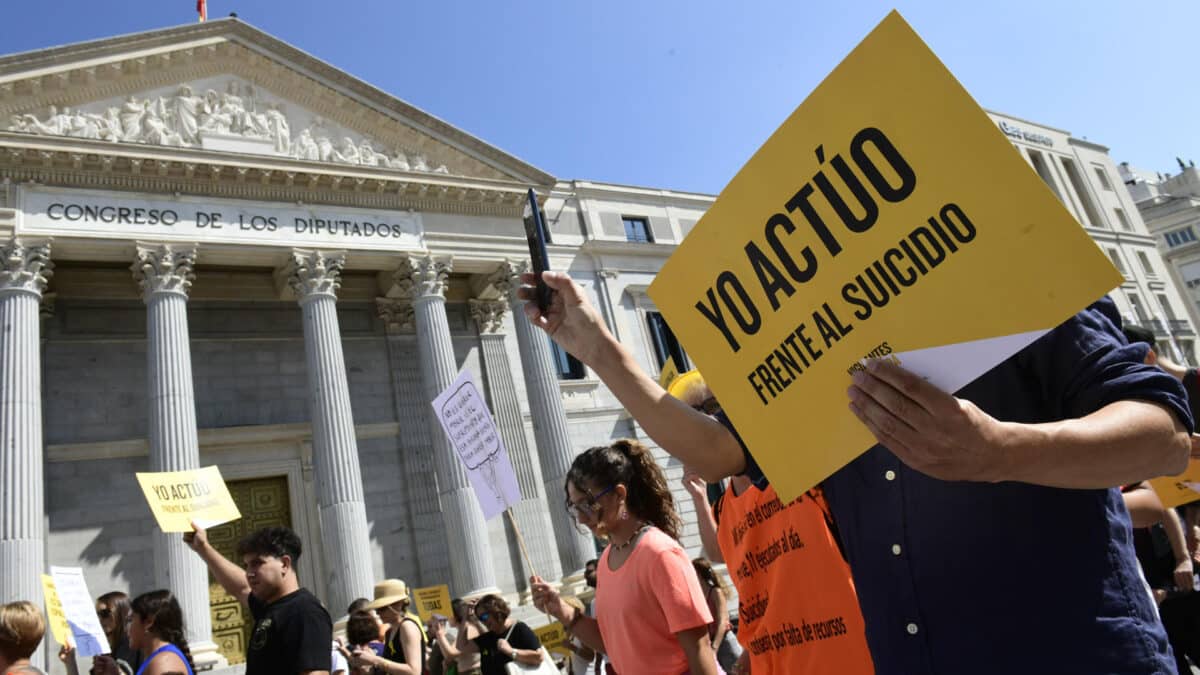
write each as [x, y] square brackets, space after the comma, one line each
[798, 612]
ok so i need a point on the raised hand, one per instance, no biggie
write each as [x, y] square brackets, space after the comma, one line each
[570, 319]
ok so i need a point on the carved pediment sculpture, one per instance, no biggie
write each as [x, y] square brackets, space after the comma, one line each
[221, 113]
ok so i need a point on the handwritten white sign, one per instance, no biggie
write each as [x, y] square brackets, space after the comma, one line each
[472, 431]
[80, 609]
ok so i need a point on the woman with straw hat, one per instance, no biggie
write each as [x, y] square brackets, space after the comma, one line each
[404, 644]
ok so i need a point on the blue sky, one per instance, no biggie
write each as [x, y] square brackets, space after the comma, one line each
[675, 94]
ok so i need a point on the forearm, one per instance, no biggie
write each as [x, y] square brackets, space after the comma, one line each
[586, 629]
[530, 657]
[699, 652]
[707, 525]
[686, 434]
[448, 649]
[1122, 443]
[1174, 530]
[231, 577]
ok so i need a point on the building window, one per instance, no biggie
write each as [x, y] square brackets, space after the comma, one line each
[1144, 261]
[1139, 310]
[637, 229]
[1115, 256]
[1165, 303]
[1123, 220]
[1180, 237]
[1040, 166]
[1081, 191]
[1103, 177]
[569, 367]
[665, 344]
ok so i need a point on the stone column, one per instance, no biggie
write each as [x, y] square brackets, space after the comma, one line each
[555, 450]
[165, 275]
[24, 269]
[315, 277]
[423, 278]
[531, 514]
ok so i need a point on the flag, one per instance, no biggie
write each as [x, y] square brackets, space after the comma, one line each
[202, 9]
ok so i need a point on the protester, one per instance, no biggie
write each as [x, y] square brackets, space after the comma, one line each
[21, 629]
[720, 631]
[501, 639]
[651, 616]
[292, 631]
[156, 631]
[404, 644]
[1188, 376]
[1051, 430]
[583, 657]
[467, 662]
[748, 520]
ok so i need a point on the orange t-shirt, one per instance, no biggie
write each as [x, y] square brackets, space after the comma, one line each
[641, 606]
[797, 607]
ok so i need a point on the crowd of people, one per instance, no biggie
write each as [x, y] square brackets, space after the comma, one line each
[927, 554]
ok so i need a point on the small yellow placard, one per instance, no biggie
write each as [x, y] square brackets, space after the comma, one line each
[54, 610]
[887, 217]
[432, 600]
[1181, 489]
[669, 372]
[179, 497]
[554, 638]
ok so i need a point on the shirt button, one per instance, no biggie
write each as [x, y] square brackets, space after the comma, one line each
[912, 629]
[895, 549]
[890, 475]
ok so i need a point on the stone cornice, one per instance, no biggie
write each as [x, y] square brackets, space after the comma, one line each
[75, 162]
[121, 65]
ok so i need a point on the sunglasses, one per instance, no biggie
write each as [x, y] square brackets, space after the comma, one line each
[709, 406]
[485, 616]
[104, 613]
[588, 508]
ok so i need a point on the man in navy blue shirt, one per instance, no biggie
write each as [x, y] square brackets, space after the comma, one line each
[984, 532]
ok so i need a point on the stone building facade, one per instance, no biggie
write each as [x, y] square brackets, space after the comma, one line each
[216, 249]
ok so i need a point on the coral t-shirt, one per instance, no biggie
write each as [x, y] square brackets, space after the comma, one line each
[641, 606]
[798, 610]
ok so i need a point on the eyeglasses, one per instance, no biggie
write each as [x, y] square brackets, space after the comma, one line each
[485, 616]
[588, 508]
[709, 406]
[104, 613]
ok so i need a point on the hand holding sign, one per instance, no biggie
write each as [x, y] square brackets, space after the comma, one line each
[928, 429]
[179, 498]
[570, 320]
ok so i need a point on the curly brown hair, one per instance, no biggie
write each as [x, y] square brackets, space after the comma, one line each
[627, 462]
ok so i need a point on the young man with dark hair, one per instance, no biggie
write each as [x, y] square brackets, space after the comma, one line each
[292, 631]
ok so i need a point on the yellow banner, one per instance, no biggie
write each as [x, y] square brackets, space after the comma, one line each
[178, 497]
[432, 600]
[888, 214]
[554, 638]
[669, 372]
[1181, 489]
[54, 610]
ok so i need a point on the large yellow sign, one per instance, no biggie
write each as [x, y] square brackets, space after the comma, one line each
[179, 497]
[432, 600]
[888, 215]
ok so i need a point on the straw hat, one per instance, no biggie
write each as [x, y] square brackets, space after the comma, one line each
[389, 592]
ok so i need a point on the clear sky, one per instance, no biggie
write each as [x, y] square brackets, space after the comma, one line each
[678, 94]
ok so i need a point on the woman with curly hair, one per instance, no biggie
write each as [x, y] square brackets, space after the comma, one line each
[651, 616]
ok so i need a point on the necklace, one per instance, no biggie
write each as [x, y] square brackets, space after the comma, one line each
[632, 538]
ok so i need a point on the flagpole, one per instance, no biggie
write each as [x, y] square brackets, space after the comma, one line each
[520, 541]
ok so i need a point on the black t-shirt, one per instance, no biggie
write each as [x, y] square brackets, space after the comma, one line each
[491, 661]
[291, 635]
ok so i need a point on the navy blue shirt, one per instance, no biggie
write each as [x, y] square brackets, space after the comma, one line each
[966, 577]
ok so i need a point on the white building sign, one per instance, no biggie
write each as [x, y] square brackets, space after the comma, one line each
[75, 213]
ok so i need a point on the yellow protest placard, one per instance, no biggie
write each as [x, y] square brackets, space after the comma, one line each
[432, 600]
[54, 610]
[669, 372]
[179, 497]
[554, 638]
[887, 217]
[1181, 489]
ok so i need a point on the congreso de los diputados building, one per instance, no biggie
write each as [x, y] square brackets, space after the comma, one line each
[216, 249]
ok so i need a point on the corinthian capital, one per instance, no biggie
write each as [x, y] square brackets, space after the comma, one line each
[422, 276]
[507, 278]
[163, 268]
[397, 315]
[24, 266]
[313, 273]
[488, 315]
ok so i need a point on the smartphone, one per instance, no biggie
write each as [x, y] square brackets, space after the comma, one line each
[535, 233]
